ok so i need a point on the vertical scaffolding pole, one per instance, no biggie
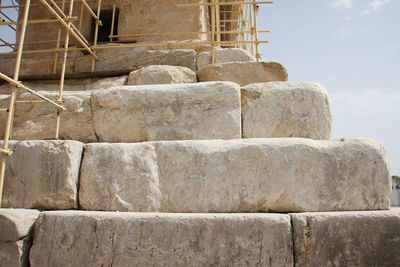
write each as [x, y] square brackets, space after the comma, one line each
[112, 23]
[96, 32]
[218, 22]
[13, 96]
[212, 31]
[255, 13]
[63, 69]
[58, 43]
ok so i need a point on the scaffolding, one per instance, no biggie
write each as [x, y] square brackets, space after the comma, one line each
[233, 23]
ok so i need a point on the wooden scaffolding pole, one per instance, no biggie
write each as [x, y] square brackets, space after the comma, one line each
[5, 151]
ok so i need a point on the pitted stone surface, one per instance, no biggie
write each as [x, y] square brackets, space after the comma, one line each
[42, 174]
[286, 109]
[161, 74]
[74, 238]
[243, 73]
[223, 55]
[121, 177]
[167, 112]
[38, 121]
[347, 238]
[247, 175]
[15, 236]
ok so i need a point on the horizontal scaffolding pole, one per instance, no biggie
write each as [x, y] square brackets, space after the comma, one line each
[20, 85]
[225, 4]
[184, 33]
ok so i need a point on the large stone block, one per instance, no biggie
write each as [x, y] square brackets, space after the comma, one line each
[244, 175]
[124, 60]
[167, 112]
[42, 174]
[15, 236]
[121, 177]
[243, 73]
[38, 121]
[286, 109]
[74, 238]
[223, 55]
[162, 74]
[347, 238]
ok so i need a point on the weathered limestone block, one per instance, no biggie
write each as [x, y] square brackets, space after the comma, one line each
[167, 112]
[124, 60]
[347, 238]
[282, 175]
[42, 175]
[38, 121]
[223, 55]
[75, 238]
[243, 73]
[69, 84]
[286, 109]
[243, 175]
[161, 74]
[15, 236]
[120, 177]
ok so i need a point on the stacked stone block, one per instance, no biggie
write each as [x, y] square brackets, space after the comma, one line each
[195, 174]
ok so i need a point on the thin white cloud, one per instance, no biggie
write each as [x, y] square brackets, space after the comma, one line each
[342, 4]
[348, 18]
[375, 6]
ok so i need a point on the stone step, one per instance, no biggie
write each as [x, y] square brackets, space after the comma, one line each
[243, 175]
[89, 238]
[210, 110]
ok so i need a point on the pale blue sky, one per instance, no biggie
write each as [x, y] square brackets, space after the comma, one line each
[351, 47]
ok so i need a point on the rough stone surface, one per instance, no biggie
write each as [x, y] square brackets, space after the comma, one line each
[167, 112]
[134, 188]
[123, 61]
[347, 238]
[247, 175]
[42, 175]
[243, 73]
[15, 224]
[69, 84]
[286, 109]
[145, 239]
[38, 121]
[161, 74]
[223, 55]
[15, 236]
[14, 254]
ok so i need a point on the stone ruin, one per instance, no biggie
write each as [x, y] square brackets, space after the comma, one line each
[187, 157]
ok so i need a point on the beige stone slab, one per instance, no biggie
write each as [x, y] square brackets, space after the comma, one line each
[243, 175]
[286, 109]
[16, 224]
[243, 73]
[223, 55]
[279, 175]
[347, 238]
[73, 238]
[122, 177]
[42, 175]
[161, 74]
[38, 121]
[14, 254]
[124, 60]
[167, 112]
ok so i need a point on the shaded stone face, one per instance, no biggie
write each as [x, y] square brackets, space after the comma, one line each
[286, 109]
[146, 239]
[15, 236]
[223, 56]
[347, 238]
[42, 174]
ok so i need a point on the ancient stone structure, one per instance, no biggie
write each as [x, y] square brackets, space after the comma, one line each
[186, 157]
